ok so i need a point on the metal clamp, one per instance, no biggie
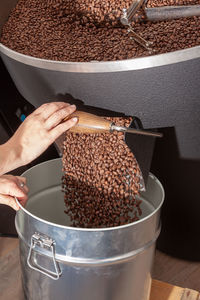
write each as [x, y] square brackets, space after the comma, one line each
[136, 37]
[126, 19]
[128, 14]
[47, 243]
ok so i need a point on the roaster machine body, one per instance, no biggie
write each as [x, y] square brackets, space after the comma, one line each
[162, 90]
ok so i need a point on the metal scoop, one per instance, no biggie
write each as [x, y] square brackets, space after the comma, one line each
[140, 142]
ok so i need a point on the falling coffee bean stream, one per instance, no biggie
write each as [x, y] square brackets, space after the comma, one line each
[101, 179]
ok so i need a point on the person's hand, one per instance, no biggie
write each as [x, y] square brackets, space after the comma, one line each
[39, 130]
[11, 187]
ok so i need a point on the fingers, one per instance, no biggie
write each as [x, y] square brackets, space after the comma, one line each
[10, 201]
[38, 132]
[11, 187]
[47, 109]
[21, 181]
[22, 200]
[61, 128]
[58, 116]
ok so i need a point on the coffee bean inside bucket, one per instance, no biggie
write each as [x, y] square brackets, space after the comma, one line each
[102, 179]
[84, 31]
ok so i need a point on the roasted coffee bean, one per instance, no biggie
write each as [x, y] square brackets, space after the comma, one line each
[104, 194]
[81, 31]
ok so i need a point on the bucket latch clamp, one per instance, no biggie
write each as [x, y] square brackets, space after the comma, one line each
[47, 243]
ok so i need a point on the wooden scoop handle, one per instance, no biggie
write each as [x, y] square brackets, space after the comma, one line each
[89, 123]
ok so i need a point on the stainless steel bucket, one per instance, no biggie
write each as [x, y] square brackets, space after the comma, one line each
[61, 262]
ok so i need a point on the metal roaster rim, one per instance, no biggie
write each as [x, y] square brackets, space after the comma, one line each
[93, 229]
[105, 66]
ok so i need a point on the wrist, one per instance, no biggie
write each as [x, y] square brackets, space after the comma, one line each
[9, 158]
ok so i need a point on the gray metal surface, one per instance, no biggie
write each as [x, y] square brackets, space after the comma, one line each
[164, 96]
[103, 264]
[135, 131]
[164, 13]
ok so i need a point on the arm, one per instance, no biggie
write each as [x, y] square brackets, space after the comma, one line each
[39, 130]
[9, 158]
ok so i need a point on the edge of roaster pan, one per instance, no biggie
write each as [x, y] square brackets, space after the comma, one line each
[139, 63]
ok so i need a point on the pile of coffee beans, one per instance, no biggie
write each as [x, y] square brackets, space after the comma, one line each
[101, 179]
[98, 12]
[53, 29]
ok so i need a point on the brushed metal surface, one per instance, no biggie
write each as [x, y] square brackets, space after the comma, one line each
[139, 63]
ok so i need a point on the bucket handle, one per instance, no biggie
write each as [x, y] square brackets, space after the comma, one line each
[47, 243]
